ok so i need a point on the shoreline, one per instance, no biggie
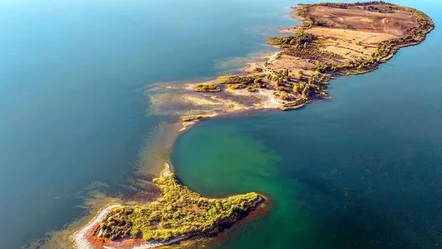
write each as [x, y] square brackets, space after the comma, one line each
[80, 237]
[90, 235]
[314, 82]
[320, 50]
[270, 102]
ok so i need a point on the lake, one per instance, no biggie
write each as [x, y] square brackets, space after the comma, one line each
[359, 171]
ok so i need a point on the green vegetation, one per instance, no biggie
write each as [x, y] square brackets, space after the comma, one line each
[248, 82]
[278, 77]
[335, 5]
[207, 87]
[299, 38]
[300, 74]
[250, 89]
[380, 9]
[179, 213]
[311, 52]
[236, 79]
[297, 88]
[302, 10]
[295, 92]
[383, 52]
[381, 5]
[189, 118]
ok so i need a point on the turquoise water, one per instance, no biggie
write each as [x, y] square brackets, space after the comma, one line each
[72, 85]
[73, 113]
[362, 170]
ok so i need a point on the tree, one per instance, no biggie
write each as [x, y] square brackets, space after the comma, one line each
[318, 66]
[300, 73]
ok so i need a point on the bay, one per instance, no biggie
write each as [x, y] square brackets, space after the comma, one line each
[74, 117]
[362, 170]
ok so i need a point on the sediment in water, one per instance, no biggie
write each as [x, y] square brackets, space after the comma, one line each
[300, 72]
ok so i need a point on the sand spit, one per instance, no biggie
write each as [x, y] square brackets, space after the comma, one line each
[80, 238]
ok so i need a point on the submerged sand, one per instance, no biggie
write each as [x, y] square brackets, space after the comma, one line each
[351, 34]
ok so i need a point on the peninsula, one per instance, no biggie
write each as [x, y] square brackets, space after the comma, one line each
[334, 39]
[178, 214]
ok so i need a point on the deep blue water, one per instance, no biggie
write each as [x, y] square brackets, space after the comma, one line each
[73, 112]
[362, 170]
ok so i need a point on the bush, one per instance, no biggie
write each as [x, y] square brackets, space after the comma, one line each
[299, 38]
[207, 88]
[179, 213]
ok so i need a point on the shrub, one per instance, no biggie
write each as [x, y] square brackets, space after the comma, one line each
[207, 87]
[179, 212]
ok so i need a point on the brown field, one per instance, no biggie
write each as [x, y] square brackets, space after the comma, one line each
[352, 33]
[356, 18]
[339, 39]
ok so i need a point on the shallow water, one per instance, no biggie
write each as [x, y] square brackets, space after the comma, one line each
[362, 170]
[74, 119]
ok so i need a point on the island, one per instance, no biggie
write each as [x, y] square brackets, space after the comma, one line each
[333, 39]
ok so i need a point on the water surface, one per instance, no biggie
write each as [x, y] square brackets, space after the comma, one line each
[73, 110]
[74, 116]
[362, 170]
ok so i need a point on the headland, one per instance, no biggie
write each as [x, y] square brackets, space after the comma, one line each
[177, 215]
[334, 39]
